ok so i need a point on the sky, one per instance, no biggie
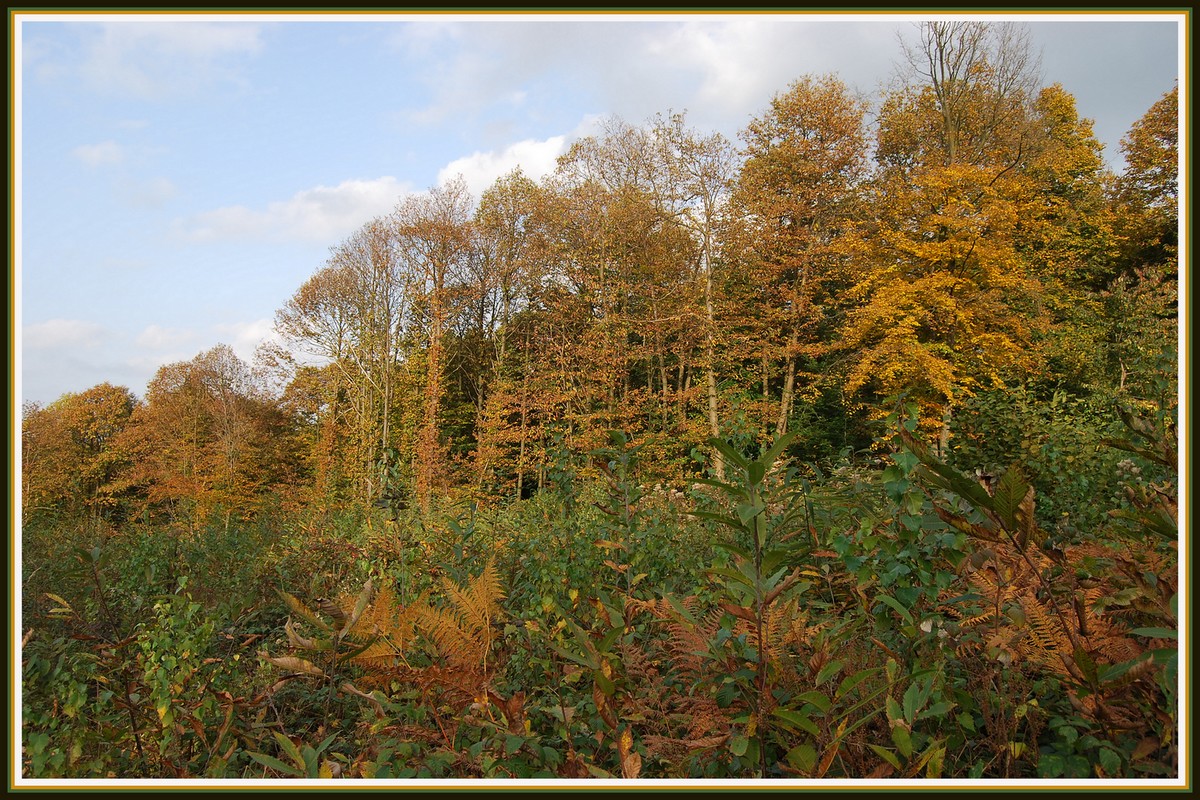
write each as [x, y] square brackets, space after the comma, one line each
[180, 177]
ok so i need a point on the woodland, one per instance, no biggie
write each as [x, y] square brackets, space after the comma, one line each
[843, 450]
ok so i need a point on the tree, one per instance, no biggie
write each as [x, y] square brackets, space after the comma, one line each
[72, 457]
[1142, 293]
[503, 225]
[206, 442]
[353, 314]
[434, 248]
[947, 303]
[798, 197]
[702, 170]
[978, 76]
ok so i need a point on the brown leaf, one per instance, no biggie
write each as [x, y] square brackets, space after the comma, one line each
[293, 663]
[631, 765]
[1144, 748]
[352, 689]
[740, 612]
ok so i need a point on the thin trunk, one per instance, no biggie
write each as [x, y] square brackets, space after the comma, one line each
[944, 435]
[428, 450]
[666, 394]
[785, 401]
[714, 422]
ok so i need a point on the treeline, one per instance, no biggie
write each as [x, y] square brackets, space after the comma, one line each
[961, 245]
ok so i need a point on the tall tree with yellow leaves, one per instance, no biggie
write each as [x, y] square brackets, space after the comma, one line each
[947, 304]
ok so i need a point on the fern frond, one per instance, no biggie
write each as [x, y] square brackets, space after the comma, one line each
[463, 633]
[478, 602]
[1046, 642]
[388, 626]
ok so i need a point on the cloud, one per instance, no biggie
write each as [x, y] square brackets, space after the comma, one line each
[322, 214]
[721, 70]
[153, 60]
[56, 333]
[734, 67]
[95, 155]
[245, 337]
[481, 169]
[156, 337]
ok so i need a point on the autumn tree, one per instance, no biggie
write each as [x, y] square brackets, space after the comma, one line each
[619, 285]
[434, 248]
[798, 197]
[1065, 235]
[1141, 294]
[946, 303]
[353, 314]
[702, 170]
[72, 457]
[509, 273]
[206, 441]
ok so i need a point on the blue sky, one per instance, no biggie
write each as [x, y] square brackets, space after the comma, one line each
[181, 177]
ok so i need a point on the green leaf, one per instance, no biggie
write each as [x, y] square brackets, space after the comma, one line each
[794, 720]
[768, 458]
[828, 671]
[803, 758]
[748, 511]
[731, 455]
[902, 740]
[1156, 633]
[681, 610]
[738, 745]
[854, 680]
[938, 709]
[1110, 760]
[512, 744]
[740, 552]
[1114, 671]
[289, 747]
[815, 698]
[1086, 665]
[755, 472]
[606, 684]
[913, 700]
[733, 575]
[934, 759]
[276, 764]
[886, 755]
[582, 660]
[773, 558]
[894, 712]
[607, 642]
[1010, 493]
[893, 603]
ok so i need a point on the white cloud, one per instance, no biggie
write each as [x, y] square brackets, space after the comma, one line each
[728, 58]
[245, 337]
[65, 333]
[157, 59]
[95, 155]
[156, 337]
[322, 214]
[480, 170]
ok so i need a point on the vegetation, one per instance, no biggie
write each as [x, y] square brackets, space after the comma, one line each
[848, 453]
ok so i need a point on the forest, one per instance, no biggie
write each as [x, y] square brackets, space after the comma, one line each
[843, 450]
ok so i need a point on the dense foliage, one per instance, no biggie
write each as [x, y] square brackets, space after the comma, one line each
[847, 453]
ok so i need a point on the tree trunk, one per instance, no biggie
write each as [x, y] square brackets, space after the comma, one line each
[785, 401]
